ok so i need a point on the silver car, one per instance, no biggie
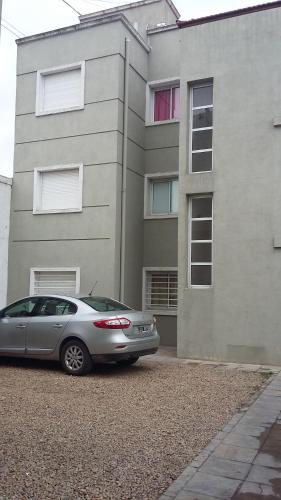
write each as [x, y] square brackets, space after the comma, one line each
[76, 331]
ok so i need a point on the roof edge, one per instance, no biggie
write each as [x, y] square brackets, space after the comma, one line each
[158, 29]
[227, 15]
[85, 25]
[120, 8]
[6, 180]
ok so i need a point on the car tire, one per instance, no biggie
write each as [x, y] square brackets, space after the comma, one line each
[128, 362]
[75, 358]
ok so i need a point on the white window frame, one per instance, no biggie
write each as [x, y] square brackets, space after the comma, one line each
[151, 87]
[33, 270]
[191, 129]
[148, 186]
[37, 188]
[158, 312]
[190, 241]
[40, 87]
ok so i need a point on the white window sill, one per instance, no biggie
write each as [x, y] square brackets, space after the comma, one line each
[167, 312]
[164, 122]
[201, 172]
[199, 287]
[61, 211]
[56, 111]
[159, 217]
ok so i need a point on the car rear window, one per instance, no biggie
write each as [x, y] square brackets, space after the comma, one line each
[102, 304]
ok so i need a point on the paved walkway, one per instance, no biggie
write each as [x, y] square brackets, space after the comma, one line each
[243, 462]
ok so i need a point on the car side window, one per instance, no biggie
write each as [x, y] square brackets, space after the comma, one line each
[56, 307]
[21, 309]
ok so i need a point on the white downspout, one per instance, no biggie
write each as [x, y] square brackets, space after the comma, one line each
[124, 171]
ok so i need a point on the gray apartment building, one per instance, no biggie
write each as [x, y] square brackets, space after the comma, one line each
[148, 163]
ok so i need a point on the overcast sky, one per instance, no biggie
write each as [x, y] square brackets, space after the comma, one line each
[26, 17]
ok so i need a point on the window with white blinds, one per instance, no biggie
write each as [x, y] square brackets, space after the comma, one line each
[161, 290]
[58, 189]
[54, 281]
[60, 89]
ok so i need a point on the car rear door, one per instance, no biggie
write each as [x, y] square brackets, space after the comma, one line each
[14, 323]
[46, 329]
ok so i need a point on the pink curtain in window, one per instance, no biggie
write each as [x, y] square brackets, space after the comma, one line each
[162, 105]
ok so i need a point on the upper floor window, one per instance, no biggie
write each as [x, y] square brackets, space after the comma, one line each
[166, 104]
[58, 189]
[202, 128]
[164, 197]
[163, 101]
[60, 89]
[200, 272]
[161, 195]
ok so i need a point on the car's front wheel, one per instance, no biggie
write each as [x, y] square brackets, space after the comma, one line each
[128, 362]
[75, 358]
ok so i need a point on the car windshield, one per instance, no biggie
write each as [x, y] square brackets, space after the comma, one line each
[102, 304]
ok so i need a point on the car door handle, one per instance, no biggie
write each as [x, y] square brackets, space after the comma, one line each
[57, 325]
[20, 326]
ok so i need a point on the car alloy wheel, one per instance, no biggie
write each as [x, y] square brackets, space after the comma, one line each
[74, 358]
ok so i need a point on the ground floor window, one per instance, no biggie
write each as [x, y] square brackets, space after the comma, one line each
[160, 292]
[61, 281]
[200, 251]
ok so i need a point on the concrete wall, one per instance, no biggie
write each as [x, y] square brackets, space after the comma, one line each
[5, 199]
[161, 157]
[92, 136]
[239, 317]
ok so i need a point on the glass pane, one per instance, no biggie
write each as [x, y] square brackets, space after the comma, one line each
[160, 197]
[202, 162]
[201, 252]
[162, 105]
[102, 304]
[174, 196]
[202, 96]
[202, 118]
[201, 207]
[175, 102]
[56, 307]
[201, 230]
[202, 139]
[201, 275]
[21, 309]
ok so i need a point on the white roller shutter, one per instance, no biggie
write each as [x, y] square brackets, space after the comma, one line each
[54, 282]
[60, 189]
[61, 90]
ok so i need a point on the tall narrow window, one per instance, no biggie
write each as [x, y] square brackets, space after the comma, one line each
[202, 128]
[200, 241]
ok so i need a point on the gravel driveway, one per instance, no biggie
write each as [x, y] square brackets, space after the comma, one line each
[120, 433]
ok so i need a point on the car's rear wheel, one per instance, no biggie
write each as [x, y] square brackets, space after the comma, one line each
[128, 362]
[75, 358]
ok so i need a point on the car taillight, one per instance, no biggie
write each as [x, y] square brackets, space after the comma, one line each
[113, 324]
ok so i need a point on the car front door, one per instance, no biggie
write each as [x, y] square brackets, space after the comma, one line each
[14, 321]
[46, 328]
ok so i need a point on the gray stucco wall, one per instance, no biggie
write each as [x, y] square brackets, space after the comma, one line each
[161, 157]
[5, 200]
[93, 136]
[239, 318]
